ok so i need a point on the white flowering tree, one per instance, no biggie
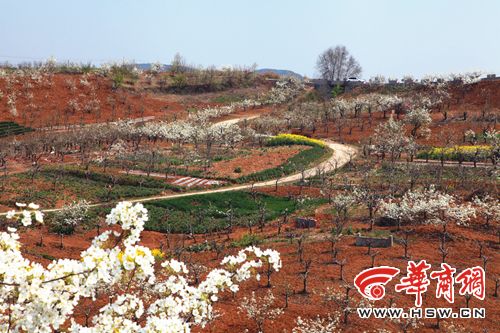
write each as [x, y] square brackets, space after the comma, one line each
[67, 219]
[70, 216]
[260, 309]
[344, 300]
[156, 67]
[369, 198]
[39, 299]
[493, 138]
[489, 208]
[419, 119]
[390, 139]
[342, 204]
[427, 206]
[329, 324]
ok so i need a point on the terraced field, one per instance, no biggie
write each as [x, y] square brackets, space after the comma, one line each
[8, 128]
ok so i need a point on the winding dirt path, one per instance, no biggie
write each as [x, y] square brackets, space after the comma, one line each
[237, 120]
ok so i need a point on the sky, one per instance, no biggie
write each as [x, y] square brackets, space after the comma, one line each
[388, 37]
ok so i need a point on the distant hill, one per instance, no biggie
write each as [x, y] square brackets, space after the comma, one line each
[146, 67]
[280, 72]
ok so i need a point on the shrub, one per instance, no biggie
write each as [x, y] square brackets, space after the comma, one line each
[247, 240]
[117, 80]
[179, 82]
[237, 170]
[200, 247]
[337, 90]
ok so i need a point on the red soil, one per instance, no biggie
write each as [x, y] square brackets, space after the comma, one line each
[51, 102]
[255, 161]
[478, 94]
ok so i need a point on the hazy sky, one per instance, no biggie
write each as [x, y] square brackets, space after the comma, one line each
[389, 37]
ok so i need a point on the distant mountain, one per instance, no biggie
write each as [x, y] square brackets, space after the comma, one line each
[146, 67]
[280, 72]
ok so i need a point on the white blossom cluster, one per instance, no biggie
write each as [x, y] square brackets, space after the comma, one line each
[283, 91]
[26, 214]
[219, 111]
[432, 79]
[318, 324]
[72, 214]
[428, 206]
[260, 309]
[189, 132]
[39, 299]
[464, 78]
[488, 207]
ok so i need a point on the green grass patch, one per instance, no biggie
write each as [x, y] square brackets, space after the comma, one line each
[11, 128]
[206, 213]
[247, 240]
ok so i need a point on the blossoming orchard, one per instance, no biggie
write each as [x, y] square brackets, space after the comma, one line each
[38, 299]
[350, 195]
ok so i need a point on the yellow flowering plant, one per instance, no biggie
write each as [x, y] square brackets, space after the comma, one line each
[293, 139]
[465, 153]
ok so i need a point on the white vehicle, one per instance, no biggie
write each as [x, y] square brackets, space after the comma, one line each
[354, 79]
